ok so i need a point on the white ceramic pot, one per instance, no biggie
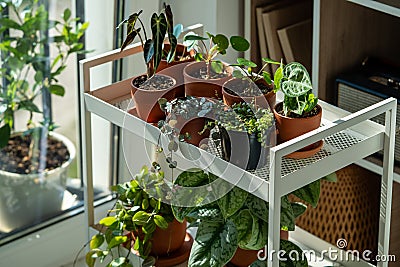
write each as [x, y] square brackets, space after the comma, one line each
[31, 198]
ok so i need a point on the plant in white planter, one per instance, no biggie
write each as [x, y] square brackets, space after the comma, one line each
[34, 162]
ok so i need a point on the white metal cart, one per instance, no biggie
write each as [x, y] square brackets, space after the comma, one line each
[348, 138]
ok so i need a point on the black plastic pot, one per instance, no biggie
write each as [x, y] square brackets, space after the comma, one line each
[243, 149]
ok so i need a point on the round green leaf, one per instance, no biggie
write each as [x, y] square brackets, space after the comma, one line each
[239, 43]
[57, 90]
[67, 14]
[141, 217]
[108, 221]
[221, 41]
[246, 62]
[116, 241]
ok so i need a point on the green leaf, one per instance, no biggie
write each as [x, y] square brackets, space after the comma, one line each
[232, 201]
[130, 37]
[243, 222]
[258, 235]
[108, 221]
[39, 77]
[148, 50]
[277, 78]
[96, 241]
[298, 208]
[330, 177]
[159, 30]
[309, 193]
[160, 222]
[296, 80]
[67, 14]
[239, 43]
[246, 62]
[221, 41]
[291, 251]
[193, 37]
[57, 89]
[119, 262]
[267, 77]
[5, 132]
[287, 214]
[171, 54]
[198, 57]
[270, 61]
[90, 260]
[9, 23]
[217, 66]
[141, 217]
[29, 106]
[258, 207]
[238, 74]
[192, 178]
[259, 263]
[116, 241]
[214, 245]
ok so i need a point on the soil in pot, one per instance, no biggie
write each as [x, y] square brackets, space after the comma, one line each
[15, 156]
[239, 90]
[194, 127]
[198, 82]
[243, 257]
[146, 92]
[291, 127]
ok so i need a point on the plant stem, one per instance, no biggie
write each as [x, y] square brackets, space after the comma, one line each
[144, 29]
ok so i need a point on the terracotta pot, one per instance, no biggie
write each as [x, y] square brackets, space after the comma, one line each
[168, 240]
[243, 257]
[289, 128]
[263, 100]
[211, 88]
[193, 126]
[175, 68]
[146, 101]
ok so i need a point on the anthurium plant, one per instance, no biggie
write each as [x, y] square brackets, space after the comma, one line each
[27, 34]
[161, 24]
[133, 220]
[208, 48]
[295, 83]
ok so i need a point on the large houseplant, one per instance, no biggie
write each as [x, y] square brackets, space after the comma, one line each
[205, 77]
[236, 222]
[34, 162]
[299, 112]
[148, 88]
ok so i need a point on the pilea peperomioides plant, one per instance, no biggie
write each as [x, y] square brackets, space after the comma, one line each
[161, 24]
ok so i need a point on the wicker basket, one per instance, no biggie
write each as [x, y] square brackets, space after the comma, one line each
[347, 209]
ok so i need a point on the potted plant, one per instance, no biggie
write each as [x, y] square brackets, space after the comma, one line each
[299, 112]
[206, 77]
[234, 228]
[173, 64]
[248, 85]
[142, 223]
[187, 118]
[148, 88]
[246, 132]
[34, 162]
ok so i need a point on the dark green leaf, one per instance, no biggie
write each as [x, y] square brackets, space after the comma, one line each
[148, 50]
[258, 207]
[96, 241]
[287, 214]
[232, 201]
[39, 77]
[192, 178]
[159, 30]
[5, 132]
[221, 41]
[9, 23]
[291, 251]
[259, 263]
[173, 43]
[67, 14]
[238, 74]
[298, 208]
[246, 63]
[267, 77]
[29, 106]
[57, 89]
[194, 37]
[270, 61]
[129, 38]
[309, 193]
[214, 245]
[243, 222]
[239, 43]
